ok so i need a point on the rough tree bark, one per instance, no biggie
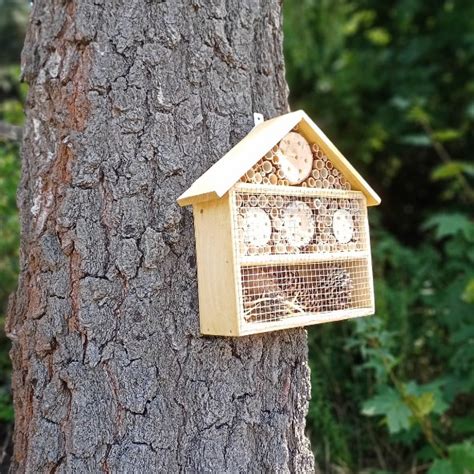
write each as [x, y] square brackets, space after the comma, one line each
[129, 103]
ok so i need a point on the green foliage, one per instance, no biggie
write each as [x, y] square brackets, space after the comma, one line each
[392, 84]
[13, 15]
[460, 460]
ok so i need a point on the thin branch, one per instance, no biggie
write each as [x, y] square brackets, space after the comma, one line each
[9, 132]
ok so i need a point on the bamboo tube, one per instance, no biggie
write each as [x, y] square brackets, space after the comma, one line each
[324, 173]
[274, 212]
[318, 183]
[329, 165]
[319, 165]
[325, 158]
[250, 174]
[273, 178]
[325, 183]
[285, 182]
[331, 179]
[252, 250]
[275, 159]
[319, 154]
[337, 185]
[257, 178]
[268, 155]
[342, 180]
[275, 149]
[280, 174]
[336, 173]
[279, 202]
[311, 182]
[304, 184]
[267, 167]
[253, 200]
[317, 203]
[315, 174]
[315, 147]
[271, 200]
[348, 185]
[262, 201]
[280, 248]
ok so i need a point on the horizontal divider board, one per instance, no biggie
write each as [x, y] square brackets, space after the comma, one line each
[295, 190]
[305, 319]
[271, 259]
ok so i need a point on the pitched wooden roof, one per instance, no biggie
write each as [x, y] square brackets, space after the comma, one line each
[220, 177]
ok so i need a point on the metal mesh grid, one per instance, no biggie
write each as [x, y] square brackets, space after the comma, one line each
[277, 292]
[299, 221]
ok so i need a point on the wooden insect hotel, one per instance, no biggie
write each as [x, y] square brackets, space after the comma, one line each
[282, 235]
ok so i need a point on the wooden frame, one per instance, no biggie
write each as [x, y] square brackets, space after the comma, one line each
[220, 265]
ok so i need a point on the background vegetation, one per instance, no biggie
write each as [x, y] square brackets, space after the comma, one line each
[392, 83]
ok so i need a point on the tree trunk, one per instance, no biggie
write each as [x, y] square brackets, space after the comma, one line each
[129, 103]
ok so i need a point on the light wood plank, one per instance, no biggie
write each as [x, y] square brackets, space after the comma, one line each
[216, 268]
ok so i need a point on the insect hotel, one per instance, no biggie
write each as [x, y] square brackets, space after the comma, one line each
[282, 235]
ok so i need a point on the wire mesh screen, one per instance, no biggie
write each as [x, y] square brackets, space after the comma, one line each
[277, 292]
[301, 221]
[300, 252]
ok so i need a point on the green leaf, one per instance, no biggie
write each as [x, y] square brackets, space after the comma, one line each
[449, 224]
[468, 293]
[423, 404]
[379, 36]
[441, 466]
[462, 457]
[448, 134]
[417, 139]
[451, 170]
[460, 460]
[391, 406]
[463, 425]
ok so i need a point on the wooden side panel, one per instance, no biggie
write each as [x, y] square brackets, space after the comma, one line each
[216, 268]
[369, 262]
